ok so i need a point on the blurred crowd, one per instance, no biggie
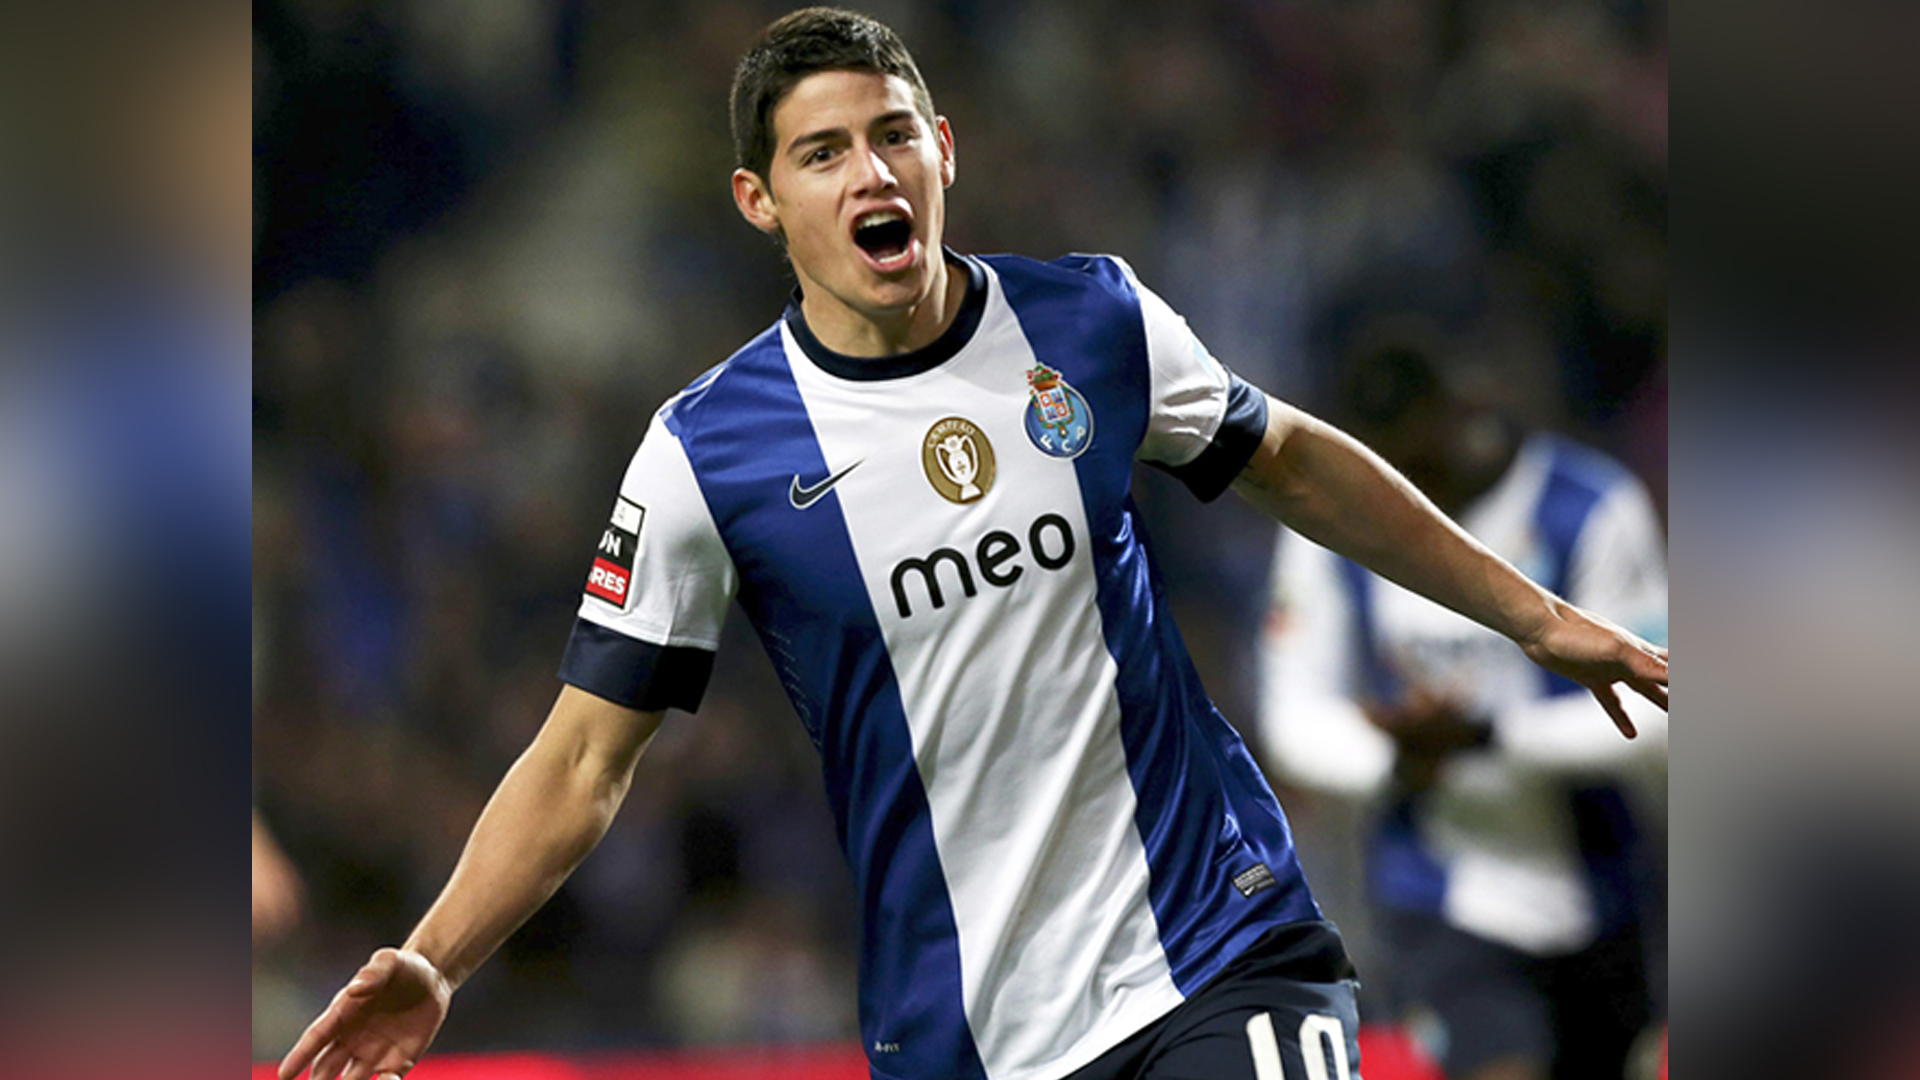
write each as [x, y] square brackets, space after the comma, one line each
[492, 236]
[124, 497]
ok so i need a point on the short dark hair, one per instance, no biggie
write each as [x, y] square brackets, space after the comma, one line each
[800, 44]
[1393, 366]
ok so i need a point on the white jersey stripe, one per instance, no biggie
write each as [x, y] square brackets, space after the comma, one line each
[1034, 822]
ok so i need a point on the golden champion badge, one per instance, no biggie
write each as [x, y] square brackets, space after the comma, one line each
[958, 460]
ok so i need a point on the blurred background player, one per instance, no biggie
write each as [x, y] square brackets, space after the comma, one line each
[1511, 866]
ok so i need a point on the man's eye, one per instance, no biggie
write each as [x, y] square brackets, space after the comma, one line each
[819, 155]
[896, 137]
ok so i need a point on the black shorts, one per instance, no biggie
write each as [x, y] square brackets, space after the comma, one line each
[1292, 989]
[1475, 1002]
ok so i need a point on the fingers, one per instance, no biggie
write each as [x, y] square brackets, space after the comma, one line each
[297, 1060]
[345, 1005]
[1655, 692]
[1609, 699]
[336, 1057]
[328, 1065]
[318, 1034]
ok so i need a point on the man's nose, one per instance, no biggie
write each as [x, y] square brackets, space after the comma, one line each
[872, 172]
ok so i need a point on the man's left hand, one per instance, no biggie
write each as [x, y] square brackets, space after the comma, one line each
[1597, 654]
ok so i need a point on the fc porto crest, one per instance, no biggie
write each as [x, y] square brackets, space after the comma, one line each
[1058, 419]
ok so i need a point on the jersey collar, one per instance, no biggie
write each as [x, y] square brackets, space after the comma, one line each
[926, 358]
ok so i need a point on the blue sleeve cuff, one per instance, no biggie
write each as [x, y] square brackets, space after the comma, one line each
[1210, 474]
[635, 673]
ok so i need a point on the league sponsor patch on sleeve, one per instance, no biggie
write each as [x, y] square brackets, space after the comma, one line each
[611, 578]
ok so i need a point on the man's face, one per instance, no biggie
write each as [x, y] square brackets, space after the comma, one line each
[857, 185]
[1422, 444]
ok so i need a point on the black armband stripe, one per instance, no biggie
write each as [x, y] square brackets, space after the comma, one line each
[635, 673]
[1241, 430]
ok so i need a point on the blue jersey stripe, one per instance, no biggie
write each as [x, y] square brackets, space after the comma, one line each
[1617, 866]
[1604, 828]
[1378, 676]
[1577, 479]
[747, 433]
[1401, 872]
[1204, 812]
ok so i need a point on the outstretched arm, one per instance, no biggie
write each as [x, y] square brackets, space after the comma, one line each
[551, 809]
[1325, 485]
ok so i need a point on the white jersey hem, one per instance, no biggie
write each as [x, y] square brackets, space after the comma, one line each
[1117, 1029]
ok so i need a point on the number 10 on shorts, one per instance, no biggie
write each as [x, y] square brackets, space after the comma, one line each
[1320, 1037]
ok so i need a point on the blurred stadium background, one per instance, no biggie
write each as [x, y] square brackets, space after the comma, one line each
[491, 236]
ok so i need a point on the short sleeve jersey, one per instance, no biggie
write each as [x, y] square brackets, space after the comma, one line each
[1054, 834]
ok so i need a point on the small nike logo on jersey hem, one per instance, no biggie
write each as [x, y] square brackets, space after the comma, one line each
[803, 497]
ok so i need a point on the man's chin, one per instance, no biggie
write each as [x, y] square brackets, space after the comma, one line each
[893, 294]
[879, 297]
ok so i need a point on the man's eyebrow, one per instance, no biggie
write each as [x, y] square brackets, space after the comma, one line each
[821, 136]
[834, 134]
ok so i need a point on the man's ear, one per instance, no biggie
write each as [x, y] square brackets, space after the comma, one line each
[755, 200]
[945, 133]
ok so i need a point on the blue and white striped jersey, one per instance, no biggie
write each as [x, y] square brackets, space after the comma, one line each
[1528, 841]
[1054, 834]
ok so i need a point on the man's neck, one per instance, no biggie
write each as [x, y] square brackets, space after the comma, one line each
[851, 332]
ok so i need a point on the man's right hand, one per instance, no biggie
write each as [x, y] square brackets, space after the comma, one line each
[551, 809]
[378, 1025]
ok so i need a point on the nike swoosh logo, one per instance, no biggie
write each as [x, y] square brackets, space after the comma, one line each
[803, 497]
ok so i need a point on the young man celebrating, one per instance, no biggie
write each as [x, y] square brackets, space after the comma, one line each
[916, 484]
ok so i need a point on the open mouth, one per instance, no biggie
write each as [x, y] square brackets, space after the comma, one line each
[885, 235]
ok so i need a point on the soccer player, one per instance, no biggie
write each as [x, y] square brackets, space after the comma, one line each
[1507, 872]
[916, 485]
